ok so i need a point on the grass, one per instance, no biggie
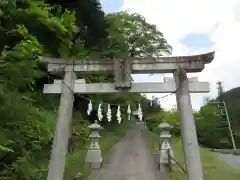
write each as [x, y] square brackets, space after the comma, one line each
[76, 160]
[213, 167]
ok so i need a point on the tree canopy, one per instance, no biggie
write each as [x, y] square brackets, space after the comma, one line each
[135, 37]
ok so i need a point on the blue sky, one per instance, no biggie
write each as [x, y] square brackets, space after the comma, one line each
[197, 41]
[110, 6]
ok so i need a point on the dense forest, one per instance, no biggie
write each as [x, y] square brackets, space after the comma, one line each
[79, 29]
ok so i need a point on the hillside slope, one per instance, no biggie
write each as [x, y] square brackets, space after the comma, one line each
[212, 128]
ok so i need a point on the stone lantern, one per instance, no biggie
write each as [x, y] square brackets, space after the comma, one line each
[165, 144]
[94, 154]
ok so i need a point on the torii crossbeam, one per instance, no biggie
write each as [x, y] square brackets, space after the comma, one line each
[81, 87]
[164, 64]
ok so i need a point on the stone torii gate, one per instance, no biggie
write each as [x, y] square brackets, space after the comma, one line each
[122, 69]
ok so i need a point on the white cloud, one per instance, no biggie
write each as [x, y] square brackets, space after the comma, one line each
[218, 19]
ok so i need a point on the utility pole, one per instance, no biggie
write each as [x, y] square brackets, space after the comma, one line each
[221, 108]
[220, 88]
[220, 93]
[229, 125]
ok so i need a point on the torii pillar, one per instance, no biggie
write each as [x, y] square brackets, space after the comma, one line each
[188, 128]
[64, 119]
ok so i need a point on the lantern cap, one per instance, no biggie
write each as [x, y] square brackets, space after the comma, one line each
[95, 125]
[165, 125]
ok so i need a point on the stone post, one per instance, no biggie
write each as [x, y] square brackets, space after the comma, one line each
[165, 145]
[94, 154]
[188, 128]
[122, 71]
[64, 119]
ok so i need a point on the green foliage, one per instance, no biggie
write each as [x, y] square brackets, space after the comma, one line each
[212, 127]
[17, 73]
[29, 29]
[2, 148]
[131, 35]
[27, 125]
[169, 116]
[90, 21]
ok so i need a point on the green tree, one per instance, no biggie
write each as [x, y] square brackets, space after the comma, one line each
[132, 36]
[212, 128]
[89, 19]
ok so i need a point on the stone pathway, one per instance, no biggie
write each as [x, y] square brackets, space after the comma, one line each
[131, 159]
